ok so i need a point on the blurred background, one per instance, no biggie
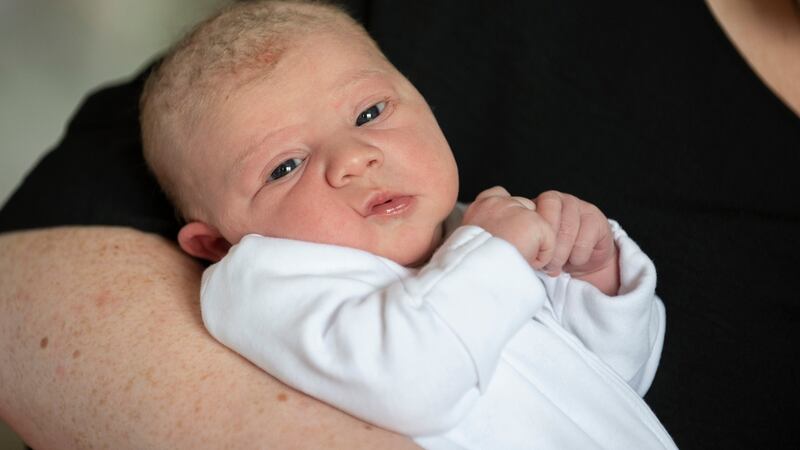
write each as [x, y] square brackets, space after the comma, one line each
[52, 53]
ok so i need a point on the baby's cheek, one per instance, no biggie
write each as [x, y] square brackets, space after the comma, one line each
[315, 222]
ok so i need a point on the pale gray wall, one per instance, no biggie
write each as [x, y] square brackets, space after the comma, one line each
[52, 52]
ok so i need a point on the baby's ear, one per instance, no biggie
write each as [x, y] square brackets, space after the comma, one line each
[203, 241]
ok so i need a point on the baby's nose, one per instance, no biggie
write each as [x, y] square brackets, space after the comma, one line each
[351, 161]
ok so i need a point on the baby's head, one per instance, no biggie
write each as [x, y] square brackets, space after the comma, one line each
[283, 118]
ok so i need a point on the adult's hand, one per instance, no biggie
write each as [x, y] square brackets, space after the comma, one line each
[102, 345]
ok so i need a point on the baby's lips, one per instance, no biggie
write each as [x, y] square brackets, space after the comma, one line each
[393, 206]
[377, 199]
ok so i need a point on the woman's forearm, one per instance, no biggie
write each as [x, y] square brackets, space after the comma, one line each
[103, 345]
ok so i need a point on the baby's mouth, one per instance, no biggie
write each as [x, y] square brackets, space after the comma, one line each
[393, 206]
[388, 205]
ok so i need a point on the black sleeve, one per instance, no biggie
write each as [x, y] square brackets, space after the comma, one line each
[96, 175]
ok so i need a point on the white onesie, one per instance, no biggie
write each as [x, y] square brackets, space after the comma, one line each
[475, 350]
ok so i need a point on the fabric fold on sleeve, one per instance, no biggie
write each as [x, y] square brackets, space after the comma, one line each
[480, 282]
[626, 330]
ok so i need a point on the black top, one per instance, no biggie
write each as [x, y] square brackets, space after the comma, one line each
[645, 109]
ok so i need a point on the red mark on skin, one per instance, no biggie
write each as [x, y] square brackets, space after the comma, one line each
[150, 376]
[103, 298]
[282, 397]
[76, 353]
[60, 371]
[367, 427]
[43, 342]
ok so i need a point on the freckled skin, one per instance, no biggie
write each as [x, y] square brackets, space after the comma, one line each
[103, 298]
[150, 280]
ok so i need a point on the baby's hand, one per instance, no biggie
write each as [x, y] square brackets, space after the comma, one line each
[584, 245]
[515, 220]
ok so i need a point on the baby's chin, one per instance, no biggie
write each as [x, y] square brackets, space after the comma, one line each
[417, 254]
[418, 261]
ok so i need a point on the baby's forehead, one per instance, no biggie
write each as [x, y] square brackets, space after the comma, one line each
[333, 60]
[327, 63]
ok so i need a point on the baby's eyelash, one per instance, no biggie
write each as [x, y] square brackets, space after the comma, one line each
[285, 168]
[371, 113]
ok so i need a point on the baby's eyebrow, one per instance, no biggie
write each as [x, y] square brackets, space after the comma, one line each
[354, 77]
[345, 82]
[253, 148]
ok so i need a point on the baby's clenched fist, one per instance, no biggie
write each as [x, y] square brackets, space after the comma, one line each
[555, 232]
[584, 245]
[513, 219]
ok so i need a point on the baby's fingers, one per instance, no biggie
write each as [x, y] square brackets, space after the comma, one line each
[549, 205]
[525, 203]
[593, 235]
[546, 243]
[496, 191]
[562, 212]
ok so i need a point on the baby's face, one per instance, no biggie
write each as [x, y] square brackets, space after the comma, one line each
[336, 147]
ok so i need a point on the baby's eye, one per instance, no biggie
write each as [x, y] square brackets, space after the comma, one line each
[284, 168]
[370, 113]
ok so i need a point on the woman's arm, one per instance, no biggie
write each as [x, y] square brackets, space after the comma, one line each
[103, 346]
[767, 35]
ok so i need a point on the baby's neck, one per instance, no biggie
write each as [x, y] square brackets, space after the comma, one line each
[446, 228]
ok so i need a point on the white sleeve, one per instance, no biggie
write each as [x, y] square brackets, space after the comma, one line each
[627, 330]
[407, 351]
